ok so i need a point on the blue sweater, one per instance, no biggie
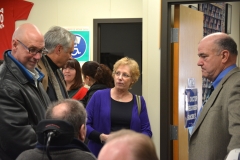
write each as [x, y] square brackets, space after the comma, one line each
[99, 118]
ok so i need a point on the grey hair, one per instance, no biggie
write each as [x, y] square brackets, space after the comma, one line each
[227, 43]
[58, 35]
[75, 115]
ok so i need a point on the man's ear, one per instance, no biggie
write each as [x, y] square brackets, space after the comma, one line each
[14, 44]
[82, 132]
[225, 56]
[58, 49]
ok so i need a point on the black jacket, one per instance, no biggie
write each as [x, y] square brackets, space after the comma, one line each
[76, 150]
[22, 106]
[91, 91]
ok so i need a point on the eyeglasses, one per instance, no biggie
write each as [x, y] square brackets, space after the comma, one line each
[34, 50]
[124, 75]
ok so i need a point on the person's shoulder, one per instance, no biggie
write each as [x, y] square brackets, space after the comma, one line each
[103, 91]
[3, 69]
[233, 74]
[29, 154]
[40, 64]
[6, 78]
[84, 155]
[83, 89]
[77, 154]
[98, 87]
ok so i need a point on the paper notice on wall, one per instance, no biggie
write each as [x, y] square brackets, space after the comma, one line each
[81, 46]
[191, 106]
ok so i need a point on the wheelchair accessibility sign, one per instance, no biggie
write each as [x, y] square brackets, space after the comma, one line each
[81, 45]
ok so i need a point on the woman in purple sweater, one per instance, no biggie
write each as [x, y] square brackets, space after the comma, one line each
[113, 109]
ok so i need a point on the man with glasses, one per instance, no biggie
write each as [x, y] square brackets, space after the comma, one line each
[23, 101]
[60, 45]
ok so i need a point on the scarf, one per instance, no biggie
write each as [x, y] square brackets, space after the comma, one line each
[53, 78]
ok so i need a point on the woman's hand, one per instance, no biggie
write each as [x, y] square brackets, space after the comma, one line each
[103, 137]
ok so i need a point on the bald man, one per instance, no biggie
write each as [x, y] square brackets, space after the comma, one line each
[73, 112]
[23, 100]
[217, 129]
[128, 145]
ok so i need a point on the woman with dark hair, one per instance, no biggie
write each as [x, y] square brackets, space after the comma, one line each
[73, 78]
[96, 76]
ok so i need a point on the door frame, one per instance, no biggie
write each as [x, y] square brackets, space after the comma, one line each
[96, 32]
[166, 75]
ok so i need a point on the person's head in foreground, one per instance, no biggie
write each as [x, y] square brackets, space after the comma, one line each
[128, 145]
[71, 111]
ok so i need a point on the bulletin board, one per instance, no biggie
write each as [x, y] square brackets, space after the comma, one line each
[214, 17]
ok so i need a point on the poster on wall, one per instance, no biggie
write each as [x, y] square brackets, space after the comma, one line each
[191, 103]
[10, 12]
[81, 47]
[191, 106]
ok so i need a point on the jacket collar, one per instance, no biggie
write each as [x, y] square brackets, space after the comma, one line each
[51, 63]
[75, 144]
[16, 66]
[212, 98]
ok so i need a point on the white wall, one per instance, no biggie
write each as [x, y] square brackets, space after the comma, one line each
[235, 33]
[45, 13]
[76, 13]
[151, 64]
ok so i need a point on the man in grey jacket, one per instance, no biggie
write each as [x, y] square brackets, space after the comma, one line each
[217, 129]
[23, 101]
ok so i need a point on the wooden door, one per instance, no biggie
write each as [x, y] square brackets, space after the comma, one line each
[190, 24]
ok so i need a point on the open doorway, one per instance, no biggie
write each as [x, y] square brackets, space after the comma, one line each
[166, 83]
[117, 38]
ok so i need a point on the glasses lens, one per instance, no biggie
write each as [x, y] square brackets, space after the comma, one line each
[123, 74]
[33, 51]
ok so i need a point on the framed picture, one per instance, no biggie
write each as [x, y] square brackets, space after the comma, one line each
[228, 18]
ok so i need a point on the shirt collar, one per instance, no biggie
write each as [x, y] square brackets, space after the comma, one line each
[223, 74]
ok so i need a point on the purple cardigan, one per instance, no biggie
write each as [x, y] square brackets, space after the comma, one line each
[99, 118]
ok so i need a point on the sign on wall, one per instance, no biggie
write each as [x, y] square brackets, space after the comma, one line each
[191, 103]
[10, 12]
[81, 47]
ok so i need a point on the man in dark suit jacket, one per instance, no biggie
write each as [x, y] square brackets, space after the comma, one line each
[217, 129]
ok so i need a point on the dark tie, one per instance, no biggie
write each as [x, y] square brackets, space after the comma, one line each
[208, 95]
